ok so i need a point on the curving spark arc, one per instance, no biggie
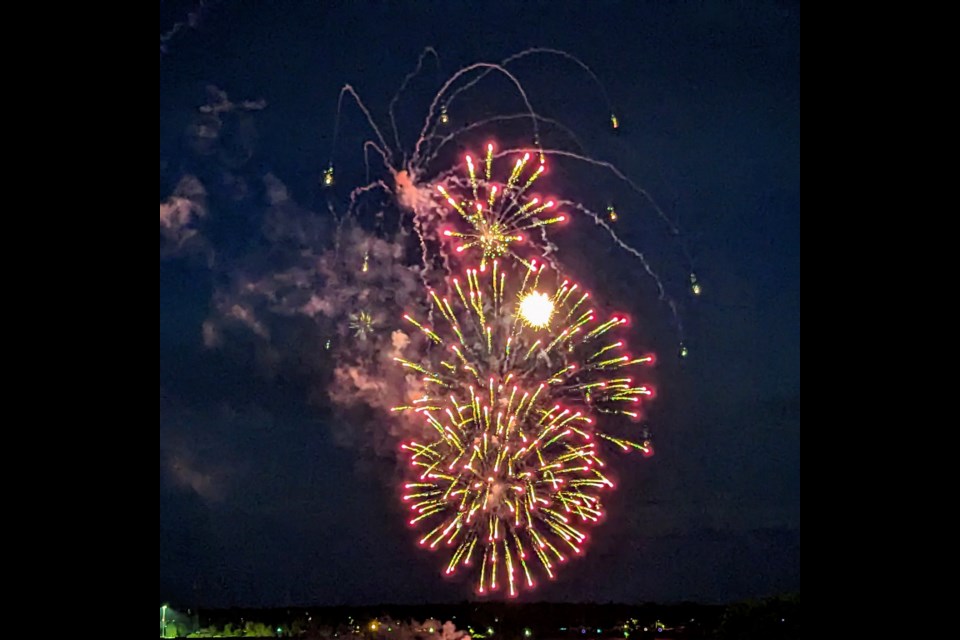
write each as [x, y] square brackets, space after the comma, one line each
[498, 213]
[507, 473]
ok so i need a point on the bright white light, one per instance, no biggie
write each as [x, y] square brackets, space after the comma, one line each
[536, 309]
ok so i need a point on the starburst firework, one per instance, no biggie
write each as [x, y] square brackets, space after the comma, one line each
[510, 461]
[361, 323]
[498, 213]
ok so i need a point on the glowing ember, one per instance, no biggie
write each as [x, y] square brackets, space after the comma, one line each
[536, 309]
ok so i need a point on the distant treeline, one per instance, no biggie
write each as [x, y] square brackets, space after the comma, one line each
[777, 617]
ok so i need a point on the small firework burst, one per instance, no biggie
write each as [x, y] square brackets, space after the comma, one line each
[498, 213]
[361, 323]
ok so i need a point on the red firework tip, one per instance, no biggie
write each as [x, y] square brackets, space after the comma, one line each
[549, 203]
[526, 156]
[447, 232]
[489, 146]
[483, 267]
[469, 159]
[535, 201]
[561, 218]
[460, 249]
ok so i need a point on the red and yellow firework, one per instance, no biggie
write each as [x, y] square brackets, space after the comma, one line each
[516, 377]
[498, 213]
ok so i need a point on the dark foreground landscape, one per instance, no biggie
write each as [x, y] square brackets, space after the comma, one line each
[773, 618]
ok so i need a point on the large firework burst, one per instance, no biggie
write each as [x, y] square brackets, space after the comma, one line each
[514, 381]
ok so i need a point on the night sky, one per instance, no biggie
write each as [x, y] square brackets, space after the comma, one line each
[270, 496]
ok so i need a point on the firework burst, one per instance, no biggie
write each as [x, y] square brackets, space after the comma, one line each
[498, 213]
[508, 472]
[362, 324]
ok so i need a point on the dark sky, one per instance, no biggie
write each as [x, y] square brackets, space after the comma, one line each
[264, 501]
